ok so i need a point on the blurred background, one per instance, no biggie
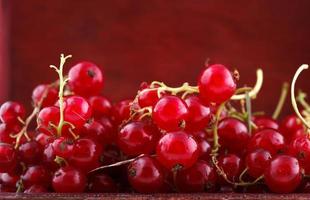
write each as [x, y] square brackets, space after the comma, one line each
[138, 40]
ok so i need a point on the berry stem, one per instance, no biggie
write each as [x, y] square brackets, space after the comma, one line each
[62, 83]
[253, 93]
[301, 99]
[216, 144]
[185, 88]
[282, 99]
[123, 162]
[248, 111]
[293, 100]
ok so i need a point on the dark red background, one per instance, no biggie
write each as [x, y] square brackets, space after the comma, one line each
[142, 40]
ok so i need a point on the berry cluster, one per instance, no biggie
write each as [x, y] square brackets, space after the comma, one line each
[184, 139]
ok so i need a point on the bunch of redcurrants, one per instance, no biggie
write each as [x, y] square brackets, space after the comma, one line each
[202, 138]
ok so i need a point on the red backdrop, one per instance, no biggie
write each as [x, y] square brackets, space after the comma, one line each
[142, 40]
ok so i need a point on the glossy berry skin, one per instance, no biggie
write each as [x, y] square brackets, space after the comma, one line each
[85, 155]
[30, 152]
[44, 94]
[98, 132]
[199, 116]
[232, 165]
[36, 174]
[7, 130]
[10, 111]
[86, 79]
[300, 149]
[289, 125]
[147, 97]
[100, 105]
[8, 157]
[257, 161]
[233, 135]
[44, 139]
[169, 113]
[48, 158]
[204, 149]
[199, 178]
[63, 147]
[36, 189]
[177, 149]
[102, 183]
[267, 139]
[145, 175]
[9, 179]
[216, 84]
[77, 111]
[138, 138]
[69, 180]
[48, 117]
[121, 111]
[264, 122]
[283, 175]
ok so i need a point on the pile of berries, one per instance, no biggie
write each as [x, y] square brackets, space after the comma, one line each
[202, 138]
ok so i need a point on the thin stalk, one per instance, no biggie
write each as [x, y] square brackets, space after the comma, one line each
[282, 99]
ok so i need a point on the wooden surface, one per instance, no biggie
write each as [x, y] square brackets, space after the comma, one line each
[142, 40]
[206, 196]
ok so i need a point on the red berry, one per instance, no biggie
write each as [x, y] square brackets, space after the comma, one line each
[231, 165]
[69, 180]
[216, 84]
[147, 97]
[300, 148]
[6, 131]
[102, 183]
[63, 147]
[10, 111]
[199, 117]
[77, 111]
[267, 139]
[30, 152]
[48, 158]
[98, 132]
[138, 138]
[100, 105]
[9, 179]
[121, 111]
[44, 94]
[8, 157]
[43, 139]
[36, 189]
[170, 113]
[177, 149]
[204, 149]
[48, 119]
[233, 135]
[36, 174]
[264, 122]
[289, 125]
[86, 155]
[199, 178]
[145, 175]
[86, 79]
[257, 161]
[283, 175]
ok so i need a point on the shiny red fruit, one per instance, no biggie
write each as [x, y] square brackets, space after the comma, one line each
[36, 174]
[6, 131]
[44, 139]
[300, 149]
[267, 139]
[8, 157]
[121, 111]
[264, 122]
[177, 150]
[283, 175]
[232, 166]
[69, 180]
[199, 178]
[9, 179]
[138, 138]
[100, 105]
[99, 132]
[45, 95]
[170, 113]
[289, 125]
[77, 111]
[30, 152]
[257, 161]
[48, 118]
[10, 111]
[204, 149]
[216, 84]
[148, 97]
[145, 175]
[63, 147]
[86, 79]
[86, 155]
[199, 117]
[233, 135]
